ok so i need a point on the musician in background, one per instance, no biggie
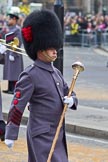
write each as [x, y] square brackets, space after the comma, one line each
[2, 123]
[13, 62]
[43, 86]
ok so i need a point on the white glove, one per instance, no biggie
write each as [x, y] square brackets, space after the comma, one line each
[11, 58]
[9, 143]
[2, 48]
[69, 101]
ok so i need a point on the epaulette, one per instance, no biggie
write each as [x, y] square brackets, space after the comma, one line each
[29, 68]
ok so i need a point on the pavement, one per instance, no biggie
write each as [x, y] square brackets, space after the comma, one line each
[76, 152]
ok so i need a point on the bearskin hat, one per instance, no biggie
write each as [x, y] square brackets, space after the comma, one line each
[41, 30]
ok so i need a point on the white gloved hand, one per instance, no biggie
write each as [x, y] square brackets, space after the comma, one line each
[2, 48]
[11, 58]
[9, 143]
[69, 101]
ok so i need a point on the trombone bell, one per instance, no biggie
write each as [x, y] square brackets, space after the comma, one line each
[15, 43]
[13, 46]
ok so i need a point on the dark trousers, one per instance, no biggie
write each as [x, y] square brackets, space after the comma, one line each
[11, 85]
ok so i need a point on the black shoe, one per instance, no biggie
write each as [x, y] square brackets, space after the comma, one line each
[2, 130]
[8, 92]
[5, 91]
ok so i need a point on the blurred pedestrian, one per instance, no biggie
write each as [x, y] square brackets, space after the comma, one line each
[2, 123]
[3, 26]
[13, 61]
[43, 86]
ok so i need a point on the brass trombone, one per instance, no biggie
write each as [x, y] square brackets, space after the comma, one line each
[77, 67]
[13, 46]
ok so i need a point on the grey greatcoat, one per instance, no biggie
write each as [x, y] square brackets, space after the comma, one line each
[1, 115]
[43, 86]
[12, 69]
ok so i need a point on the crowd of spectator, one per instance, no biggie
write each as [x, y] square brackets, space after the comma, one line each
[88, 22]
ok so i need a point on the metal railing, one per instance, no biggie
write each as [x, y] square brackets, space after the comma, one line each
[86, 39]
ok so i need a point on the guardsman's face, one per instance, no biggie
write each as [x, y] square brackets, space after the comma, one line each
[48, 55]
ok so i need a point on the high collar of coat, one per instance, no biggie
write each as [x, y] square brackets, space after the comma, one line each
[44, 65]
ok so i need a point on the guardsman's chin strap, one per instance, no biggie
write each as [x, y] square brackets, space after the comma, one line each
[48, 57]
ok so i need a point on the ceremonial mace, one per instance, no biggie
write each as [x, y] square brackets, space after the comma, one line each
[77, 67]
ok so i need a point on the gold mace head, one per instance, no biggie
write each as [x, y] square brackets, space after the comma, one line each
[78, 66]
